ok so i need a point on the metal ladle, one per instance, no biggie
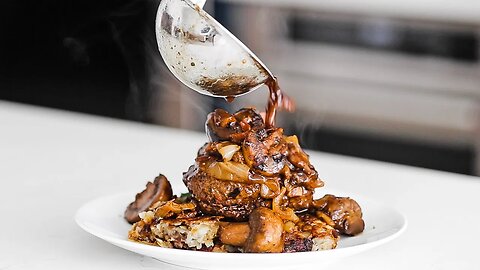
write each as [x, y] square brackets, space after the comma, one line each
[204, 55]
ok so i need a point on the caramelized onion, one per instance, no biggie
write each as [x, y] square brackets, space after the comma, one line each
[228, 151]
[296, 192]
[147, 216]
[325, 218]
[292, 139]
[289, 226]
[270, 189]
[172, 207]
[229, 171]
[284, 213]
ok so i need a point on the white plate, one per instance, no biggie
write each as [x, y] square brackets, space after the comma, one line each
[103, 218]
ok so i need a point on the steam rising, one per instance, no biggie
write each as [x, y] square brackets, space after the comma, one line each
[155, 95]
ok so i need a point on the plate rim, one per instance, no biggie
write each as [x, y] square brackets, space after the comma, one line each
[173, 251]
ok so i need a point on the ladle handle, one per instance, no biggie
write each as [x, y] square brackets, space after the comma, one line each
[199, 3]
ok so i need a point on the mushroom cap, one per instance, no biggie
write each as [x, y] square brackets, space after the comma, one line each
[159, 190]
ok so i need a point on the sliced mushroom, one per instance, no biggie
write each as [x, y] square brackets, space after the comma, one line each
[266, 232]
[265, 152]
[250, 117]
[345, 213]
[159, 190]
[223, 126]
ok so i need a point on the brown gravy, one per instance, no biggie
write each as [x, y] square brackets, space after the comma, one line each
[276, 100]
[229, 99]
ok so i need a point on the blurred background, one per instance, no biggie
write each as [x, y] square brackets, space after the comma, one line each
[396, 81]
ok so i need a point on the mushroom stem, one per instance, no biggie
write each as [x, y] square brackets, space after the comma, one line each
[266, 232]
[234, 233]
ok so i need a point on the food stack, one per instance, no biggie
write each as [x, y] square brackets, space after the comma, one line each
[251, 189]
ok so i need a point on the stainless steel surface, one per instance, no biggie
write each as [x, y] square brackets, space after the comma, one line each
[204, 55]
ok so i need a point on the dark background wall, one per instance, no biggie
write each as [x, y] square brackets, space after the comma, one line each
[80, 55]
[92, 56]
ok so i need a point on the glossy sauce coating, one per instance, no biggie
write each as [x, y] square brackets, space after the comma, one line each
[276, 100]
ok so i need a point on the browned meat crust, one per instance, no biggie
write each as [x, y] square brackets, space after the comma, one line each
[309, 234]
[224, 198]
[298, 244]
[272, 160]
[247, 172]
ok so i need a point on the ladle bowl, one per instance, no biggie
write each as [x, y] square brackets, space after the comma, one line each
[203, 54]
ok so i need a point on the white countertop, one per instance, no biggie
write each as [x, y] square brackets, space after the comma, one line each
[51, 162]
